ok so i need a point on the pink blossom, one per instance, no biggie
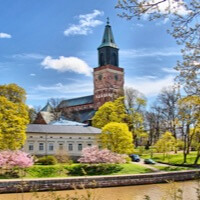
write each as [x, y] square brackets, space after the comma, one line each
[95, 155]
[10, 159]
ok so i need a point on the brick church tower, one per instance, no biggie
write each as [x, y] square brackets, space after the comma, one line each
[108, 76]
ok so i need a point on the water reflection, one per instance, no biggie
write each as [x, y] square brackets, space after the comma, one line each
[155, 191]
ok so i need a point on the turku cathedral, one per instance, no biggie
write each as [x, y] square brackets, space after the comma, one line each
[108, 79]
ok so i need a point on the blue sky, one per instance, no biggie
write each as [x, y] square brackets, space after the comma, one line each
[49, 47]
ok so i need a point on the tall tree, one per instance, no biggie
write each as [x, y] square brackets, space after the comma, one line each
[110, 112]
[168, 100]
[189, 111]
[135, 105]
[117, 138]
[165, 144]
[13, 116]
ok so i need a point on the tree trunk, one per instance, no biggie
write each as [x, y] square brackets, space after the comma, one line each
[197, 157]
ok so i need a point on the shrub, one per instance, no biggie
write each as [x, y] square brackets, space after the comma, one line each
[94, 169]
[95, 155]
[42, 171]
[62, 157]
[47, 160]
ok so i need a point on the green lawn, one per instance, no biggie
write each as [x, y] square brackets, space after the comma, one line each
[173, 158]
[41, 171]
[133, 169]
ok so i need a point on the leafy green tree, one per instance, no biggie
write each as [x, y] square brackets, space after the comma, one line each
[189, 117]
[196, 142]
[13, 117]
[135, 107]
[110, 112]
[122, 110]
[13, 93]
[117, 138]
[165, 144]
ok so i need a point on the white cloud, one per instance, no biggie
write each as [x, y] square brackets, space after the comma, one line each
[79, 87]
[28, 56]
[140, 25]
[130, 53]
[86, 23]
[75, 89]
[169, 70]
[147, 77]
[5, 35]
[174, 6]
[30, 106]
[150, 87]
[32, 74]
[165, 21]
[63, 64]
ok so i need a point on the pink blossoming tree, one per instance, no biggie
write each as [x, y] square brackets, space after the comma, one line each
[10, 159]
[95, 155]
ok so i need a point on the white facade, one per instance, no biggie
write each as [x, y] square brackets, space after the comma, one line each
[40, 141]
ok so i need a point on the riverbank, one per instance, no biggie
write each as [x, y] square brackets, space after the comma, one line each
[53, 184]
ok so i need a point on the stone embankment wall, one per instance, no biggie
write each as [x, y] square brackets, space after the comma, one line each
[31, 185]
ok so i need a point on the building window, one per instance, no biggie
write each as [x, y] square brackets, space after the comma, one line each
[30, 147]
[89, 145]
[61, 146]
[80, 147]
[41, 146]
[30, 136]
[41, 136]
[70, 147]
[51, 147]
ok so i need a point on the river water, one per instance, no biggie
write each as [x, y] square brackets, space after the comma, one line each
[155, 191]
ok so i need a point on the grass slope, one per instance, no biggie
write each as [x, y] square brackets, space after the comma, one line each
[173, 158]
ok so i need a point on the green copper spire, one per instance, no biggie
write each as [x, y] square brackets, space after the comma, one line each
[108, 39]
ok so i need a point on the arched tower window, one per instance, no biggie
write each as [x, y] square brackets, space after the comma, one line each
[114, 59]
[102, 59]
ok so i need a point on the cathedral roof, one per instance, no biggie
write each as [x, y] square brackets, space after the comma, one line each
[76, 101]
[47, 108]
[108, 38]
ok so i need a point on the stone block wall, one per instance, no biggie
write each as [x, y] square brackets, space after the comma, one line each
[47, 184]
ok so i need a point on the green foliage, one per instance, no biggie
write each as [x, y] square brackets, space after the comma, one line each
[141, 150]
[110, 112]
[166, 143]
[43, 171]
[117, 138]
[13, 117]
[174, 158]
[47, 160]
[14, 93]
[94, 169]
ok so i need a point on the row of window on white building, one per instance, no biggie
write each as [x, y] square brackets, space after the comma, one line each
[41, 147]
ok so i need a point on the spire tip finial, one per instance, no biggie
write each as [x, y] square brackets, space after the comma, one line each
[108, 22]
